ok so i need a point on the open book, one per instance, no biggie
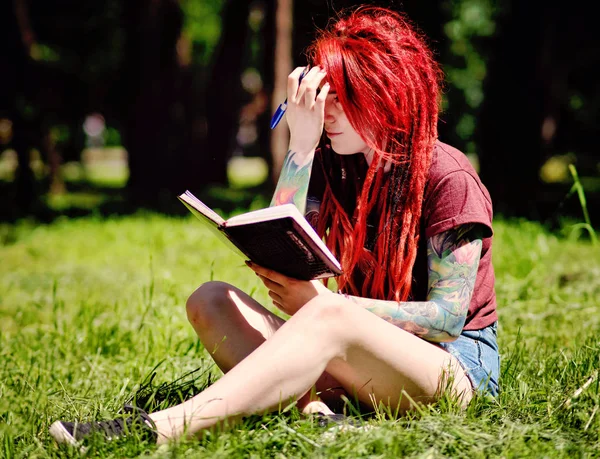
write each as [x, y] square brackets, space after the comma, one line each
[278, 238]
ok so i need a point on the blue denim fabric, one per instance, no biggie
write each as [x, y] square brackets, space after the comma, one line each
[477, 353]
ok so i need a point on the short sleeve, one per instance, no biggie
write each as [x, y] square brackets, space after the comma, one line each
[457, 199]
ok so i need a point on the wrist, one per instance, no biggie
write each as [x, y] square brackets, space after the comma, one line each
[302, 151]
[343, 295]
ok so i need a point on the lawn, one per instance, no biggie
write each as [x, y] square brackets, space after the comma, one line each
[92, 315]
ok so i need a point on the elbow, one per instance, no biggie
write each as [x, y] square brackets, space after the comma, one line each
[449, 329]
[453, 330]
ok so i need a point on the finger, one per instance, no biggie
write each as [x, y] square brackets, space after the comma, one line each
[275, 297]
[322, 97]
[269, 283]
[292, 83]
[312, 86]
[268, 273]
[309, 97]
[304, 84]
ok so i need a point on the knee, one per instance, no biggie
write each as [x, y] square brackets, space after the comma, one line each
[206, 303]
[327, 321]
[326, 311]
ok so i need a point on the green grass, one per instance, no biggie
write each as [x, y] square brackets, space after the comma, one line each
[91, 309]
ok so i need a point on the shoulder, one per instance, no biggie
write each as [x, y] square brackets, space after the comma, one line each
[450, 165]
[454, 193]
[447, 160]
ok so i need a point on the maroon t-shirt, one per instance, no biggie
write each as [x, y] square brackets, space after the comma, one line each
[454, 195]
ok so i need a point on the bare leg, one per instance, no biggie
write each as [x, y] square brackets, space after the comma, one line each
[370, 357]
[231, 325]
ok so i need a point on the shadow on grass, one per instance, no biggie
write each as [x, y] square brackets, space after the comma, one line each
[152, 397]
[552, 207]
[86, 199]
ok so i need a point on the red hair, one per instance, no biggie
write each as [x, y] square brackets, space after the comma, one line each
[389, 86]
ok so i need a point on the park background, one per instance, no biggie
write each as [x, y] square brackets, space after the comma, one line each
[110, 109]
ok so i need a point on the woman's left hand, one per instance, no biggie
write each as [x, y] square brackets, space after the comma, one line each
[288, 294]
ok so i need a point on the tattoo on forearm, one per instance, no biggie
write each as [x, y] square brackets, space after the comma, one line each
[453, 260]
[292, 186]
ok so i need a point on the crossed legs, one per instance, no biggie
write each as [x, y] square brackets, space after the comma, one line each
[231, 325]
[269, 362]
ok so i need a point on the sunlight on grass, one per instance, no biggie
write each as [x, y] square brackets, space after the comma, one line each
[244, 172]
[79, 200]
[92, 311]
[105, 167]
[8, 164]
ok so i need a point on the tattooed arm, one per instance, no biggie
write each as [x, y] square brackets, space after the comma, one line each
[452, 259]
[292, 186]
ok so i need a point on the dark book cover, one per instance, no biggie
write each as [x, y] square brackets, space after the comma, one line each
[276, 238]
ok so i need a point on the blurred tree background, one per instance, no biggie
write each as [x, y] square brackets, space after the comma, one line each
[114, 105]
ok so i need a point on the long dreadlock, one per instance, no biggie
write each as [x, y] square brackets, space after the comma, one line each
[389, 87]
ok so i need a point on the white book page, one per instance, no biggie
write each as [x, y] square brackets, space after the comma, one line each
[202, 208]
[264, 215]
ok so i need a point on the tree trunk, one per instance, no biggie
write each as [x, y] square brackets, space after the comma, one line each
[223, 101]
[283, 66]
[150, 124]
[269, 30]
[26, 191]
[16, 29]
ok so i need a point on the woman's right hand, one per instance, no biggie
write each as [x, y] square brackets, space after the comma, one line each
[306, 110]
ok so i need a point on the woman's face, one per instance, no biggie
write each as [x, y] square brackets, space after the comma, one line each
[344, 139]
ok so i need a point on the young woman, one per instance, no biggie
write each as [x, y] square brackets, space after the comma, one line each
[410, 221]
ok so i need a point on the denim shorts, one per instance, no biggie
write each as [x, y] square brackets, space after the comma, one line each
[477, 353]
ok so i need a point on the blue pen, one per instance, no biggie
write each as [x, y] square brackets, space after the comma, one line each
[283, 107]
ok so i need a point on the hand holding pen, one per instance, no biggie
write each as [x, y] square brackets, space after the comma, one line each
[283, 106]
[305, 108]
